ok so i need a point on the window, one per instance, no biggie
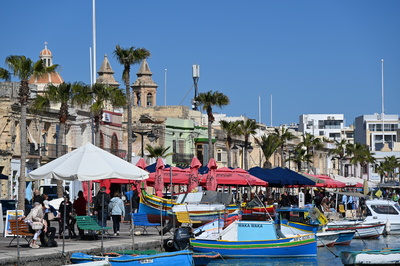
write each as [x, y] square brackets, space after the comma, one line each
[380, 209]
[149, 99]
[219, 155]
[174, 146]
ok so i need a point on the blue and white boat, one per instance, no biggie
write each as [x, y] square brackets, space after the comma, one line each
[311, 220]
[371, 257]
[178, 258]
[242, 239]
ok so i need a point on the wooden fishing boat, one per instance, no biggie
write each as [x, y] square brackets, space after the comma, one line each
[371, 257]
[362, 229]
[254, 239]
[307, 220]
[196, 204]
[178, 258]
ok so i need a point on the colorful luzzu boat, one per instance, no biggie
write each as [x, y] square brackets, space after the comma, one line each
[155, 207]
[253, 239]
[178, 258]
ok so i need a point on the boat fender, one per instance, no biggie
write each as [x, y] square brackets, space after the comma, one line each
[387, 227]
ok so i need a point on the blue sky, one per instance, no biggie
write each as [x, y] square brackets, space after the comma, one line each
[313, 57]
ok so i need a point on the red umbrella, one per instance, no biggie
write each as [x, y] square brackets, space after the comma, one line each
[193, 181]
[179, 176]
[159, 180]
[211, 182]
[328, 182]
[138, 184]
[238, 176]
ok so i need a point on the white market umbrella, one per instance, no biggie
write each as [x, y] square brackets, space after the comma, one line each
[88, 163]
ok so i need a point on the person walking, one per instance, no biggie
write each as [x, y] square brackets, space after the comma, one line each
[101, 206]
[117, 211]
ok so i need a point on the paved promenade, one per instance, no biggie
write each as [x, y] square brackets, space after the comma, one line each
[55, 256]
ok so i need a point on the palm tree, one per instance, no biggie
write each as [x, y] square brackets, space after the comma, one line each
[23, 68]
[388, 167]
[231, 129]
[283, 135]
[247, 128]
[301, 156]
[158, 151]
[207, 100]
[64, 94]
[98, 96]
[268, 146]
[127, 57]
[340, 152]
[310, 143]
[359, 154]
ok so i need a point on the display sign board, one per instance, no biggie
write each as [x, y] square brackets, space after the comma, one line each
[11, 216]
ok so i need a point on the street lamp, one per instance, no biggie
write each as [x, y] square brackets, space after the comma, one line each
[151, 137]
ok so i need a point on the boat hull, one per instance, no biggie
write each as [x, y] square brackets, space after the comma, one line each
[178, 258]
[371, 257]
[362, 230]
[303, 246]
[345, 238]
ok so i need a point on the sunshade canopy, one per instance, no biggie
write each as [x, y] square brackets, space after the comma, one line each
[279, 177]
[87, 163]
[237, 176]
[179, 176]
[328, 181]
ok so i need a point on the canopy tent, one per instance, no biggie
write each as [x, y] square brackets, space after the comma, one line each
[87, 163]
[328, 181]
[350, 182]
[357, 180]
[279, 177]
[237, 176]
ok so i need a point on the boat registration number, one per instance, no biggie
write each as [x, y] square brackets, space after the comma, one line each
[145, 261]
[299, 238]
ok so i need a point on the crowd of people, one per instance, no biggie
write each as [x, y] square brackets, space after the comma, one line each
[42, 214]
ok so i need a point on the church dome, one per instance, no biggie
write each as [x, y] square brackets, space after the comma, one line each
[45, 51]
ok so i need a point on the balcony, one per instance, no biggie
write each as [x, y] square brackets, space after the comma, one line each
[182, 160]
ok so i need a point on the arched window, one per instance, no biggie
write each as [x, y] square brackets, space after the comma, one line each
[138, 99]
[149, 99]
[114, 142]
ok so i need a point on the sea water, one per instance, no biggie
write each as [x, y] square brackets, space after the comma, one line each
[327, 256]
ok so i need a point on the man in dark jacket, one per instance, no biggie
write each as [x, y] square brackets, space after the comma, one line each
[101, 206]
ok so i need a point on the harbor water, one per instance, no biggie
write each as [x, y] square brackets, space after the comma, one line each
[327, 256]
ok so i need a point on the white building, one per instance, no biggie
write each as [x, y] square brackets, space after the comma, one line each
[324, 125]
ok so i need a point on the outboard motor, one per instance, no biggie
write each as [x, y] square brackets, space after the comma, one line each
[181, 238]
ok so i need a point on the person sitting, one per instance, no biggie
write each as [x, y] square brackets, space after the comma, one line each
[36, 215]
[66, 219]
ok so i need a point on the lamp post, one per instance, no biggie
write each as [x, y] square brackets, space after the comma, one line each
[249, 150]
[149, 135]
